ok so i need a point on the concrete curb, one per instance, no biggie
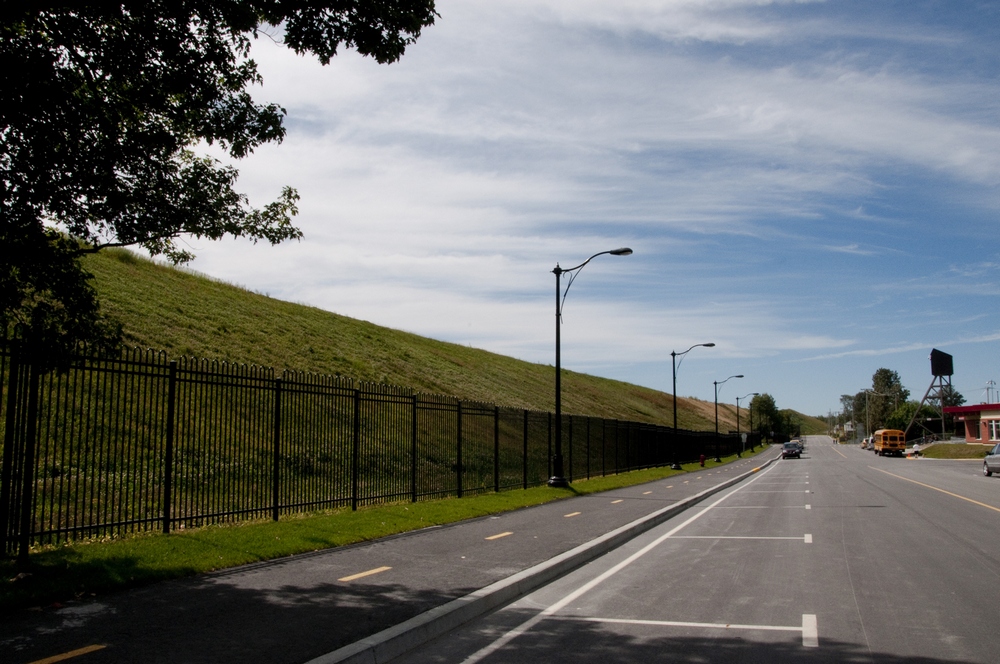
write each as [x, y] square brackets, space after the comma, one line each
[394, 641]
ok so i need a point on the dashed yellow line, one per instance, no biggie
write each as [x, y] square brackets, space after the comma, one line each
[839, 452]
[68, 655]
[499, 535]
[361, 575]
[615, 502]
[953, 495]
[566, 516]
[646, 493]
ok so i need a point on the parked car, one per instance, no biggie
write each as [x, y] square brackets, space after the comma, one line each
[866, 443]
[991, 464]
[790, 450]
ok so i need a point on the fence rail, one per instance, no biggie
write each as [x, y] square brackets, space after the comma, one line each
[114, 446]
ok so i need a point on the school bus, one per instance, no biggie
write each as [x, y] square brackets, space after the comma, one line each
[889, 441]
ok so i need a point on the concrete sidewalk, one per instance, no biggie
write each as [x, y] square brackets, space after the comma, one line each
[336, 605]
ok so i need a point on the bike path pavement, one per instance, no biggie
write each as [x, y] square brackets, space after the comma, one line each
[305, 607]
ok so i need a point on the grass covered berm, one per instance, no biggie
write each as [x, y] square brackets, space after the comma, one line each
[187, 314]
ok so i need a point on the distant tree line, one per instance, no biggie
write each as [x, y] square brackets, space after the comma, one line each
[770, 421]
[887, 404]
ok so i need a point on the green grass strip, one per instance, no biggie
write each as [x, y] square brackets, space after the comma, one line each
[954, 451]
[84, 569]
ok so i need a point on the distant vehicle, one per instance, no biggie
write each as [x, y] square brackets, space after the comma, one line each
[865, 443]
[791, 450]
[889, 441]
[991, 464]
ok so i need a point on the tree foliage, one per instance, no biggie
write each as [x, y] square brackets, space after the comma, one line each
[901, 417]
[104, 105]
[767, 418]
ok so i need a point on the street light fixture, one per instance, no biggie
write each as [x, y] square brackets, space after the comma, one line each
[673, 361]
[717, 383]
[558, 479]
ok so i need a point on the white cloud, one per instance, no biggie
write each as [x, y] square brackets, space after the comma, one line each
[755, 161]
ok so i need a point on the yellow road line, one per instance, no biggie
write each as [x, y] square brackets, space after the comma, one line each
[498, 536]
[839, 452]
[615, 502]
[953, 495]
[566, 516]
[361, 575]
[646, 493]
[68, 655]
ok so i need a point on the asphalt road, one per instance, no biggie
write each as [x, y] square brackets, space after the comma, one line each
[293, 610]
[841, 556]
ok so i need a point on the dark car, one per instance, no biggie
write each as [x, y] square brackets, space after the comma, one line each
[991, 464]
[791, 450]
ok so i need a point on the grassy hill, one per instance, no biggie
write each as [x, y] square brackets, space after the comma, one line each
[188, 314]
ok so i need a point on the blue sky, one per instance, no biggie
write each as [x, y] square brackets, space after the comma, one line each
[812, 186]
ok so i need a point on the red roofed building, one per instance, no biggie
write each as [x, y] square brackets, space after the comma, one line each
[982, 421]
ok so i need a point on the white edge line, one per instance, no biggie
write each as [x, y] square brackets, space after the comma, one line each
[398, 639]
[810, 631]
[678, 623]
[550, 610]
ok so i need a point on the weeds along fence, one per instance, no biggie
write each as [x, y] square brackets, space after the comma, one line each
[114, 446]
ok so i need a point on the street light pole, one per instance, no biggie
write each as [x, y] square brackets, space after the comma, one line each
[673, 361]
[868, 417]
[751, 394]
[558, 478]
[718, 459]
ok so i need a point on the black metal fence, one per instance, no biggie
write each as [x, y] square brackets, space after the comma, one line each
[135, 443]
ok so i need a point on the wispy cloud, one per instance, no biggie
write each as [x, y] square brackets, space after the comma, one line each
[788, 173]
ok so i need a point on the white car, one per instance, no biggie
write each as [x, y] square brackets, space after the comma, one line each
[991, 464]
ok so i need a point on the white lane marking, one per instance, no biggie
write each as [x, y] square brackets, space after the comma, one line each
[810, 631]
[553, 608]
[809, 507]
[679, 623]
[760, 507]
[808, 538]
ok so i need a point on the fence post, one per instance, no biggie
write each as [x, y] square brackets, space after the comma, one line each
[275, 464]
[28, 473]
[617, 427]
[588, 448]
[604, 447]
[168, 461]
[548, 472]
[570, 445]
[524, 458]
[355, 450]
[413, 453]
[628, 440]
[458, 464]
[7, 472]
[496, 448]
